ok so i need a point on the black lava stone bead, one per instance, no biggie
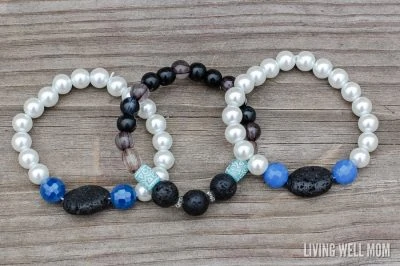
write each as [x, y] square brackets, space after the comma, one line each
[195, 202]
[166, 76]
[227, 82]
[197, 71]
[213, 78]
[129, 106]
[126, 123]
[249, 114]
[165, 194]
[151, 80]
[223, 186]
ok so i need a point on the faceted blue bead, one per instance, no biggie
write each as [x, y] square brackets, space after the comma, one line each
[52, 190]
[344, 172]
[123, 196]
[276, 175]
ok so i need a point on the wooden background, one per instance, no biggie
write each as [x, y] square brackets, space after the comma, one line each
[304, 122]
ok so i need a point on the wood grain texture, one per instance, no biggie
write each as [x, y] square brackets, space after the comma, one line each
[303, 121]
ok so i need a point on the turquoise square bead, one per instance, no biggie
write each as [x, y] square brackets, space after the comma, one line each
[146, 177]
[237, 169]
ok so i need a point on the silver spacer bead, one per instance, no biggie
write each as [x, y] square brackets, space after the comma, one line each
[179, 203]
[210, 196]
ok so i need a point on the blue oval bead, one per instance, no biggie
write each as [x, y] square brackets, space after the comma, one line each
[52, 190]
[344, 172]
[276, 175]
[123, 196]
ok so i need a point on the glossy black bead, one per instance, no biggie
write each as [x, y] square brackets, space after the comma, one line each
[166, 76]
[195, 202]
[223, 186]
[129, 106]
[126, 123]
[310, 181]
[197, 71]
[227, 82]
[253, 131]
[151, 80]
[249, 114]
[86, 200]
[165, 194]
[213, 78]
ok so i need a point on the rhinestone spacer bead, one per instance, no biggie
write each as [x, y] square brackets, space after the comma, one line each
[179, 203]
[210, 196]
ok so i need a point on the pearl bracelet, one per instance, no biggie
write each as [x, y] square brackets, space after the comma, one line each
[307, 181]
[154, 181]
[86, 199]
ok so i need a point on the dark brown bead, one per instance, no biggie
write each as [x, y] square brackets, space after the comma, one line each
[140, 91]
[181, 69]
[124, 140]
[253, 131]
[227, 82]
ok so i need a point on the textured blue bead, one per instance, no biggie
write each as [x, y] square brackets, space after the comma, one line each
[52, 190]
[276, 175]
[344, 172]
[146, 177]
[237, 169]
[123, 196]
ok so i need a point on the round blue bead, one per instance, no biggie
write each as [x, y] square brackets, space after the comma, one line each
[276, 175]
[344, 172]
[123, 196]
[52, 190]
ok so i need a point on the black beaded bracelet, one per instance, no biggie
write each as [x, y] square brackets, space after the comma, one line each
[153, 183]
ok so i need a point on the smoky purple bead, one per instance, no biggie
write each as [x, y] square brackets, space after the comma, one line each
[181, 69]
[253, 131]
[140, 91]
[124, 140]
[131, 160]
[227, 82]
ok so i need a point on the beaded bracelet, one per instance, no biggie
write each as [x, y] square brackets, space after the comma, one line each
[85, 199]
[311, 180]
[154, 182]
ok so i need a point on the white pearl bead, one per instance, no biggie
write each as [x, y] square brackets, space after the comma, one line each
[368, 123]
[156, 123]
[21, 141]
[126, 93]
[270, 67]
[162, 141]
[257, 75]
[142, 193]
[243, 150]
[286, 60]
[80, 78]
[235, 133]
[162, 173]
[115, 86]
[147, 109]
[360, 157]
[62, 84]
[33, 107]
[305, 61]
[164, 159]
[244, 82]
[351, 91]
[38, 173]
[361, 106]
[337, 78]
[235, 97]
[99, 77]
[257, 164]
[22, 123]
[48, 97]
[322, 68]
[368, 141]
[28, 158]
[232, 115]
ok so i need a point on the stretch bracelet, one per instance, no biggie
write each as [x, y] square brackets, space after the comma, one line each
[85, 199]
[154, 182]
[307, 181]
